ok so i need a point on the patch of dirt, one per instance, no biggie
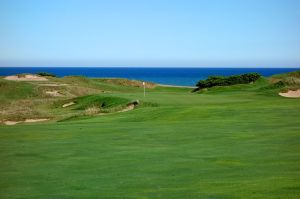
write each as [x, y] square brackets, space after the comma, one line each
[291, 94]
[68, 104]
[25, 78]
[54, 93]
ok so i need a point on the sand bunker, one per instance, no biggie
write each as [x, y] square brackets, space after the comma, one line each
[25, 78]
[291, 94]
[35, 120]
[8, 122]
[68, 104]
[128, 108]
[54, 93]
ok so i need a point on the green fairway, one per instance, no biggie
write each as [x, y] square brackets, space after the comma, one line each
[240, 141]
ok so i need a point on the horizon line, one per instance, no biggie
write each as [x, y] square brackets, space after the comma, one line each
[296, 67]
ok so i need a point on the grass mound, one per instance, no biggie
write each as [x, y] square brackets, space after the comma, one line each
[286, 81]
[88, 106]
[290, 74]
[100, 101]
[289, 79]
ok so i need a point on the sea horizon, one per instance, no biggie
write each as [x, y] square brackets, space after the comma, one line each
[179, 76]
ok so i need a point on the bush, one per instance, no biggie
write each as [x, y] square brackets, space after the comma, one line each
[227, 81]
[46, 74]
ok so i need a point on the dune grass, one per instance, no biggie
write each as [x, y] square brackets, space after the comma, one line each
[11, 90]
[240, 142]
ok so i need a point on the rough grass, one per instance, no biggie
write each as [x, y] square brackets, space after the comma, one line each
[11, 90]
[92, 110]
[127, 82]
[290, 74]
[288, 81]
[18, 110]
[21, 100]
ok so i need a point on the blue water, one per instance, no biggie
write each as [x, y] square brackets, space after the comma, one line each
[174, 76]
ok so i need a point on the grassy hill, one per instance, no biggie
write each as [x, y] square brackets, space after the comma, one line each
[36, 99]
[239, 141]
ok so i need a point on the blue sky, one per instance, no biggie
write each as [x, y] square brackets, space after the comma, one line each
[193, 33]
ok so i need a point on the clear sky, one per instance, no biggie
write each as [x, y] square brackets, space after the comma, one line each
[210, 33]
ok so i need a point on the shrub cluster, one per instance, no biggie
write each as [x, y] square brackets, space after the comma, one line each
[46, 74]
[227, 81]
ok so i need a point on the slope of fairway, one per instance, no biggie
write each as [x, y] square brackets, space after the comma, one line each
[241, 142]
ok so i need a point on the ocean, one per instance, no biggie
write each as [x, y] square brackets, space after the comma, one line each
[171, 76]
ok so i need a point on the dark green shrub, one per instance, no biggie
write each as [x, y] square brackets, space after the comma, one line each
[227, 81]
[46, 74]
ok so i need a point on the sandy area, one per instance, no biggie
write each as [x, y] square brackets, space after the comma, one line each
[68, 104]
[11, 122]
[54, 93]
[35, 120]
[25, 78]
[291, 93]
[128, 108]
[26, 121]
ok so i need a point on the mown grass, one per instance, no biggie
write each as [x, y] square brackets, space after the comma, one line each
[240, 142]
